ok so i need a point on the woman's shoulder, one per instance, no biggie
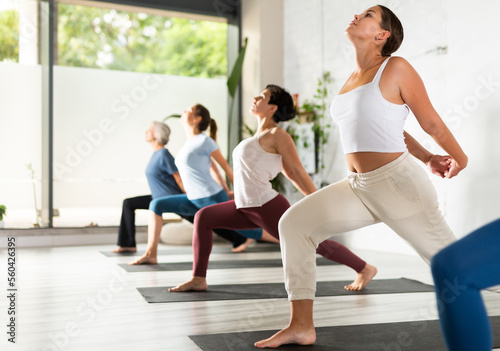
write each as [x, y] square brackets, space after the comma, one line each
[201, 139]
[272, 139]
[208, 143]
[399, 70]
[207, 139]
[280, 136]
[398, 63]
[275, 133]
[165, 153]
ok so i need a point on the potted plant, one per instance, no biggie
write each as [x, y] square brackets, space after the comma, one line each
[306, 112]
[314, 111]
[3, 211]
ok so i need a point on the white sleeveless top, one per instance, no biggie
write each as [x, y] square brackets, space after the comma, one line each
[368, 122]
[253, 168]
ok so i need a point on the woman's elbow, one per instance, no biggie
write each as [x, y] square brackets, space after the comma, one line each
[434, 127]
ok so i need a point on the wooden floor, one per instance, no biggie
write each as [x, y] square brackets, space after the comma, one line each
[75, 298]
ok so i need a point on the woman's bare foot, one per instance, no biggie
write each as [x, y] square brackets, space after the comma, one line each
[289, 335]
[243, 246]
[195, 284]
[146, 259]
[363, 278]
[121, 249]
[300, 330]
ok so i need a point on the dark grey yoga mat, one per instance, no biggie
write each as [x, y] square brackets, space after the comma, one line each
[226, 264]
[181, 250]
[277, 290]
[402, 336]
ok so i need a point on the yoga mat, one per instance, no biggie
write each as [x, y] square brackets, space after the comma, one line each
[277, 290]
[226, 264]
[402, 336]
[188, 250]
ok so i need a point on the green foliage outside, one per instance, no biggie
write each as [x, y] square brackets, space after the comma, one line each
[117, 40]
[9, 35]
[3, 211]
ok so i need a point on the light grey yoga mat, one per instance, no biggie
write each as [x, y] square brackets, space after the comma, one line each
[277, 290]
[402, 336]
[226, 264]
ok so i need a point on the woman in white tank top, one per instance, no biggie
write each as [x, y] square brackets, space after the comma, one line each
[384, 184]
[257, 160]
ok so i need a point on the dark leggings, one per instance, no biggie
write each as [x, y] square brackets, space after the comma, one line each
[126, 231]
[226, 215]
[460, 272]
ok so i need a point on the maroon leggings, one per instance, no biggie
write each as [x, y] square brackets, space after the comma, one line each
[226, 215]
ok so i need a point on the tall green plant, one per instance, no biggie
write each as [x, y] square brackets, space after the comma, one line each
[234, 79]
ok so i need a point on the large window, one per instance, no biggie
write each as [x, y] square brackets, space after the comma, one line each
[139, 42]
[115, 69]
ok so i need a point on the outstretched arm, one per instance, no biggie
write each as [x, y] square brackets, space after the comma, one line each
[214, 171]
[217, 156]
[413, 93]
[292, 166]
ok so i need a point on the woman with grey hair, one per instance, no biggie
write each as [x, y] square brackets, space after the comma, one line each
[163, 179]
[161, 132]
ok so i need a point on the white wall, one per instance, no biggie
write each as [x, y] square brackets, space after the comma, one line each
[262, 24]
[100, 155]
[463, 83]
[101, 116]
[20, 137]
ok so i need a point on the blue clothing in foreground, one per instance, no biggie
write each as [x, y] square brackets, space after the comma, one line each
[159, 172]
[460, 271]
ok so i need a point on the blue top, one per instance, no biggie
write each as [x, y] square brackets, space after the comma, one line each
[159, 172]
[194, 162]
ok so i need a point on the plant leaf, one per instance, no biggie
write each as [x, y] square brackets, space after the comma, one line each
[234, 78]
[172, 116]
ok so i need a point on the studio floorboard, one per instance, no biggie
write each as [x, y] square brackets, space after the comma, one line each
[76, 298]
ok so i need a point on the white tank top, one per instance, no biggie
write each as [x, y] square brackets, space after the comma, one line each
[368, 122]
[253, 168]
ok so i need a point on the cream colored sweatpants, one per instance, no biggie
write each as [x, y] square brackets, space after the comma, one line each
[400, 194]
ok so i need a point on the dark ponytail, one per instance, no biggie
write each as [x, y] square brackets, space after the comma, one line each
[213, 129]
[206, 120]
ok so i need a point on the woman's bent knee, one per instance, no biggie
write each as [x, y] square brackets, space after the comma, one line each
[154, 206]
[290, 220]
[127, 203]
